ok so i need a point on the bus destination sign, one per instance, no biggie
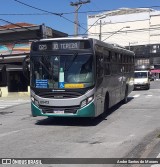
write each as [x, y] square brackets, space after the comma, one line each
[62, 45]
[65, 45]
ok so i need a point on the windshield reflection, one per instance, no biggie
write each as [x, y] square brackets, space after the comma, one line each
[61, 71]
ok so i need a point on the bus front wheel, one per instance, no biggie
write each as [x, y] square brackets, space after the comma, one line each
[106, 107]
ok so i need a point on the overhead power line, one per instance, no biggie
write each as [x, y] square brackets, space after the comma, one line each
[123, 31]
[56, 14]
[67, 13]
[23, 14]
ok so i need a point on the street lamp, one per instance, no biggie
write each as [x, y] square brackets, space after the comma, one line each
[100, 30]
[116, 32]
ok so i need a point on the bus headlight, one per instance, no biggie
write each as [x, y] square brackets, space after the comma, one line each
[87, 101]
[34, 101]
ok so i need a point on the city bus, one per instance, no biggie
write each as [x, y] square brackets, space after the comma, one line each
[78, 77]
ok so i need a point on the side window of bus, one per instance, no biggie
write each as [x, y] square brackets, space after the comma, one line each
[99, 57]
[129, 63]
[119, 63]
[107, 70]
[133, 61]
[114, 57]
[115, 66]
[125, 63]
[107, 55]
[107, 60]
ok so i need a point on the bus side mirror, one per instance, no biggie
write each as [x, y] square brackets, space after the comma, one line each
[26, 67]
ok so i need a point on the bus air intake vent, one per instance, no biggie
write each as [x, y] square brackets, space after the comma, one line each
[59, 95]
[66, 109]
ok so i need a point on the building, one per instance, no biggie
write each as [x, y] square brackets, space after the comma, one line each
[15, 42]
[137, 29]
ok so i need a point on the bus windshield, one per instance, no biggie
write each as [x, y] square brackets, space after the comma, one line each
[62, 71]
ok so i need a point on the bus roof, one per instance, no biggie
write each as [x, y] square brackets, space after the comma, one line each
[95, 41]
[64, 38]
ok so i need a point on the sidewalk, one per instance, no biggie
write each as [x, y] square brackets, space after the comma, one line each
[16, 96]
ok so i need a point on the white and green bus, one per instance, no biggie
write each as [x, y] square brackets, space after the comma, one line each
[78, 77]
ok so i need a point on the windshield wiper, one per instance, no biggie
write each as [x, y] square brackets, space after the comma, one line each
[69, 66]
[44, 66]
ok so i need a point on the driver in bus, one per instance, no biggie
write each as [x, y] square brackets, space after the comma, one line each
[86, 72]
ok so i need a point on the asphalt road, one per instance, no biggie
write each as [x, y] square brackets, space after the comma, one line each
[125, 132]
[155, 84]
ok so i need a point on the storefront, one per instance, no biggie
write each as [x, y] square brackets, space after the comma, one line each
[155, 74]
[15, 42]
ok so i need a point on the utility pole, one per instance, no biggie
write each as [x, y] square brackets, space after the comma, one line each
[77, 7]
[100, 30]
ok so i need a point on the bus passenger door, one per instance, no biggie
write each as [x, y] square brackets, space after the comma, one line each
[99, 84]
[123, 82]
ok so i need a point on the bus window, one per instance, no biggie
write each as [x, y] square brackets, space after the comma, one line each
[107, 69]
[114, 57]
[99, 65]
[107, 55]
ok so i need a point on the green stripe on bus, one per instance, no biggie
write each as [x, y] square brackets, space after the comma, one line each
[87, 111]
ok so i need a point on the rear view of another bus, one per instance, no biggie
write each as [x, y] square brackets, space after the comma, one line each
[141, 80]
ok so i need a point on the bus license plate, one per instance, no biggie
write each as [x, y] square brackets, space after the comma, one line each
[58, 111]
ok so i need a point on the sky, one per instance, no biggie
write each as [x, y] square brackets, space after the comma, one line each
[15, 12]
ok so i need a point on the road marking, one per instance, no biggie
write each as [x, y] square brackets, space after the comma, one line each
[137, 95]
[149, 95]
[6, 103]
[158, 155]
[8, 133]
[13, 132]
[156, 165]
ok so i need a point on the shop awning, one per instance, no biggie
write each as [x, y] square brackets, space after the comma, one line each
[155, 71]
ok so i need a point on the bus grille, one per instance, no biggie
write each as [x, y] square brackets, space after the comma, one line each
[59, 95]
[66, 109]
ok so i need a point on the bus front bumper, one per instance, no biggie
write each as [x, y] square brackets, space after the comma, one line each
[86, 111]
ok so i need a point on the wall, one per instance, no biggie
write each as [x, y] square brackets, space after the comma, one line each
[144, 28]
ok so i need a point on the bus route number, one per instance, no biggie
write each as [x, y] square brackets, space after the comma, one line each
[43, 47]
